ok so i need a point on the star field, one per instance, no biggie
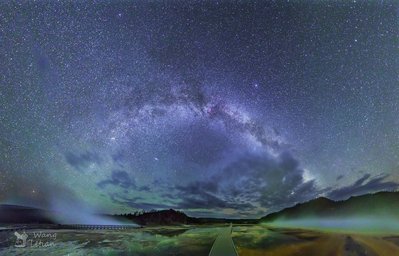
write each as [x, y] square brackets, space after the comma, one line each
[217, 108]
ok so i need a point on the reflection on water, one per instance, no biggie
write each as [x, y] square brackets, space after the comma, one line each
[144, 241]
[260, 237]
[197, 240]
[261, 240]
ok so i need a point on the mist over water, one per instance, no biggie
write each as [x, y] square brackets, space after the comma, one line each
[362, 224]
[68, 212]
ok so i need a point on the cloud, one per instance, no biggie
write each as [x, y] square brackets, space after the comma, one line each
[199, 195]
[251, 181]
[363, 185]
[339, 177]
[276, 182]
[118, 178]
[137, 202]
[80, 161]
[145, 188]
[360, 181]
[119, 157]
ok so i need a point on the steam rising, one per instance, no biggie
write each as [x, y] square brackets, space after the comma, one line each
[65, 212]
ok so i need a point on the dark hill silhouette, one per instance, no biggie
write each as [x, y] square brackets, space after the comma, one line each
[163, 217]
[173, 217]
[381, 203]
[14, 214]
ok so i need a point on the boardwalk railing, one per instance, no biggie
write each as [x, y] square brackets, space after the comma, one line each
[108, 227]
[69, 226]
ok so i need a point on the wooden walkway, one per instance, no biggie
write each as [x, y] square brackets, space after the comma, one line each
[69, 226]
[109, 227]
[224, 245]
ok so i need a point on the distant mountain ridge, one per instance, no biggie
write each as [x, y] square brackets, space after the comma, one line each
[163, 217]
[367, 205]
[173, 217]
[376, 204]
[13, 214]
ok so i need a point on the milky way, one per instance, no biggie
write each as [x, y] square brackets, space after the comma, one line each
[217, 109]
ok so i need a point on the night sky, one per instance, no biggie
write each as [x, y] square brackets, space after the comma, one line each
[231, 109]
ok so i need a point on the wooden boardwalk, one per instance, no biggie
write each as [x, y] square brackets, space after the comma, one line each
[108, 227]
[70, 226]
[224, 245]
